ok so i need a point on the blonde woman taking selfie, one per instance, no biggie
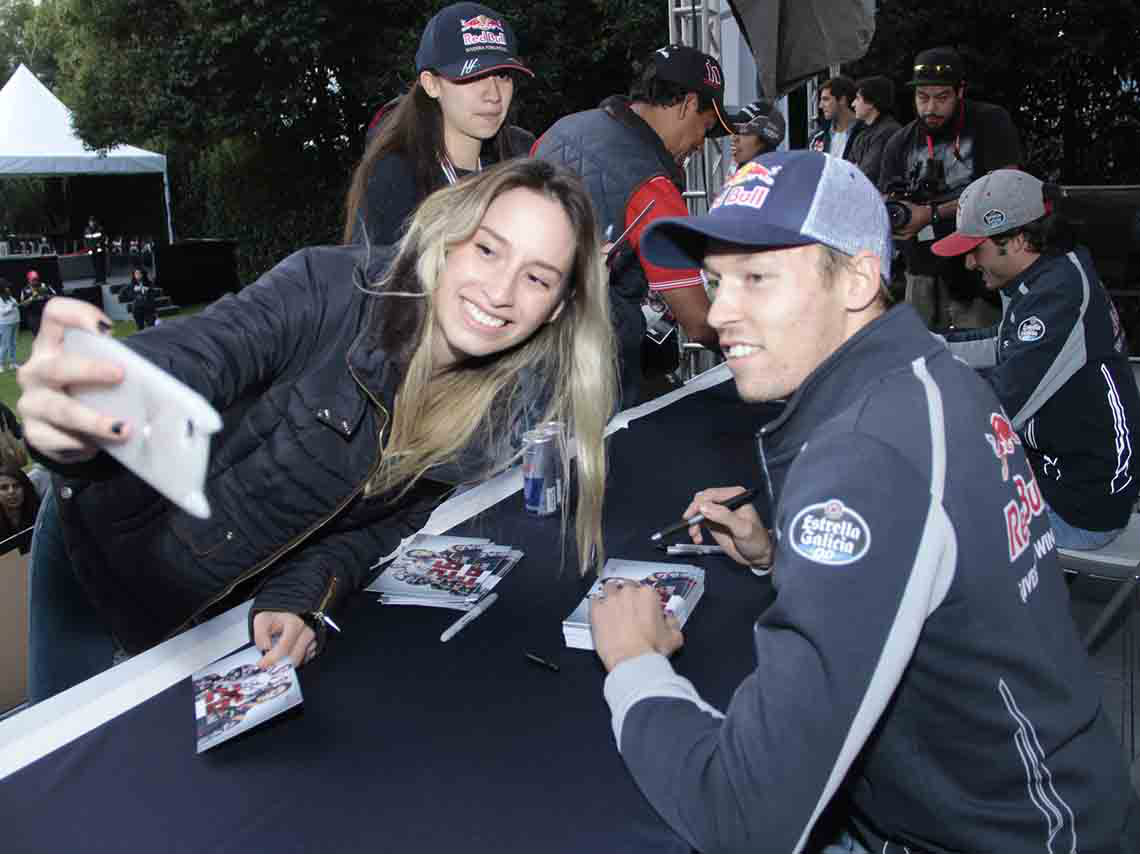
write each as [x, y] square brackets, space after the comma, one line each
[355, 392]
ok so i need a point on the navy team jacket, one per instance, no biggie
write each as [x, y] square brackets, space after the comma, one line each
[919, 654]
[1058, 361]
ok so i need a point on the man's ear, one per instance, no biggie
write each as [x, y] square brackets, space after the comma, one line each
[430, 83]
[691, 102]
[862, 283]
[1019, 243]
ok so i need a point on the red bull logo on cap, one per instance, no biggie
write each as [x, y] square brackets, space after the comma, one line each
[480, 22]
[482, 30]
[1003, 441]
[749, 186]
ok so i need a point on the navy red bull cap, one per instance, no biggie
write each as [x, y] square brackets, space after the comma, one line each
[782, 199]
[465, 40]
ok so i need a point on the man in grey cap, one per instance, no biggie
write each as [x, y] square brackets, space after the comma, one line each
[903, 667]
[1058, 360]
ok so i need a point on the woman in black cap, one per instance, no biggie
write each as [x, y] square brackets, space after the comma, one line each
[451, 122]
[760, 128]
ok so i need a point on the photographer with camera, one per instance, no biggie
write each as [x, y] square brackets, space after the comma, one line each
[926, 166]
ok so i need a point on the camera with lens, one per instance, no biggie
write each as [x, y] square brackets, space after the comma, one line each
[927, 186]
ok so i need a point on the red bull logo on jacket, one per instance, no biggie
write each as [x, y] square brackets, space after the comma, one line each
[1003, 440]
[481, 30]
[1020, 512]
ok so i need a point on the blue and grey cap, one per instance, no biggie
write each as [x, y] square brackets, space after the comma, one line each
[782, 199]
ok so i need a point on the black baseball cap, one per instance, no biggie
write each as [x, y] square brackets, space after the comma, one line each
[761, 119]
[466, 40]
[697, 72]
[938, 66]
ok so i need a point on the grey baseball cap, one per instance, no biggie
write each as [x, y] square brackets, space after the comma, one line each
[782, 199]
[996, 203]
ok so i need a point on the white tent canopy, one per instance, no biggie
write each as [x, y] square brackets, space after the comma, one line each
[37, 139]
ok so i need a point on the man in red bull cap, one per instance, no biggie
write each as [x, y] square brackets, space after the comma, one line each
[629, 152]
[917, 671]
[1058, 361]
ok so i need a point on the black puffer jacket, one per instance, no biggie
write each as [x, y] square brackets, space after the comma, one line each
[305, 376]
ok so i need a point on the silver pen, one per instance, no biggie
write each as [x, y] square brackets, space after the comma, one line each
[693, 549]
[458, 626]
[625, 234]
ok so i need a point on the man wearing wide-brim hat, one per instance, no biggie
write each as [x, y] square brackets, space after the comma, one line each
[927, 165]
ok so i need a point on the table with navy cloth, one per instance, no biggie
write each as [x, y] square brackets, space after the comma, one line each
[407, 744]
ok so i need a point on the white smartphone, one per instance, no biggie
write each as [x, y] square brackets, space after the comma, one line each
[169, 445]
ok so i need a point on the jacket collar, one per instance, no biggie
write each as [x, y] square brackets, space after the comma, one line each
[384, 343]
[1035, 271]
[888, 343]
[617, 107]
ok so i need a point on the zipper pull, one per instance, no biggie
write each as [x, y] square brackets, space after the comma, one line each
[322, 617]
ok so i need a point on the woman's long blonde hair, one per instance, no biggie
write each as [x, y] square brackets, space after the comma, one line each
[569, 362]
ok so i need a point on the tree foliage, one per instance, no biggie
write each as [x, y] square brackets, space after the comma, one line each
[1067, 70]
[261, 106]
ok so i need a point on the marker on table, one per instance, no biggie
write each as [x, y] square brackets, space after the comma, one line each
[460, 624]
[691, 549]
[730, 504]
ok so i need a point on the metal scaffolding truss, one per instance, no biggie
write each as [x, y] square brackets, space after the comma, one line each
[697, 23]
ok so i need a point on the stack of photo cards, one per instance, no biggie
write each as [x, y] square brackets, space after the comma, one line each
[679, 586]
[233, 694]
[444, 572]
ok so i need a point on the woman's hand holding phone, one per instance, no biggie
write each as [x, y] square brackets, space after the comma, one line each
[55, 423]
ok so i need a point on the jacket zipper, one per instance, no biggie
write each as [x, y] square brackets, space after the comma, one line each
[321, 620]
[296, 541]
[767, 480]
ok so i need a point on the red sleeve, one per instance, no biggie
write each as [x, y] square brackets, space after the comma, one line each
[669, 203]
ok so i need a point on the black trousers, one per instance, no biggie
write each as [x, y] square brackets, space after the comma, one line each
[99, 260]
[144, 318]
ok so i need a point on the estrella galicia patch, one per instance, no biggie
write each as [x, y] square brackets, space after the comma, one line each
[830, 533]
[1031, 329]
[994, 218]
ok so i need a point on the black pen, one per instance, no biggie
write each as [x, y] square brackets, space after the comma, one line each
[730, 504]
[541, 662]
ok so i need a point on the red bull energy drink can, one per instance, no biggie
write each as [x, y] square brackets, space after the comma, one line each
[541, 462]
[557, 430]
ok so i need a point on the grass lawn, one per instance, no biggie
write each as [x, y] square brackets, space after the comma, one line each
[10, 389]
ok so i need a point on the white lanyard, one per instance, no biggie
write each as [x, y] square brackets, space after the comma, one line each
[449, 170]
